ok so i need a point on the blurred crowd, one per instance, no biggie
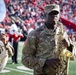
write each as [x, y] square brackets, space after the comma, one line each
[29, 14]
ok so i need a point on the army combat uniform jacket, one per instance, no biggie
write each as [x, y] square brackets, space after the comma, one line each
[6, 50]
[41, 45]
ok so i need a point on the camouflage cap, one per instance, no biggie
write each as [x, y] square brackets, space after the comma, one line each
[51, 7]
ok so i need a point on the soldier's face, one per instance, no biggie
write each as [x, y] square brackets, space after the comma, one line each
[53, 17]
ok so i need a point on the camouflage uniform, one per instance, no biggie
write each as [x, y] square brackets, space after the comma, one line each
[9, 49]
[6, 50]
[41, 45]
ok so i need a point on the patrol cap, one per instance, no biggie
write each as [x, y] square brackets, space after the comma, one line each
[51, 7]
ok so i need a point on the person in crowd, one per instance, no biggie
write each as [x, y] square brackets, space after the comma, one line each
[14, 37]
[47, 47]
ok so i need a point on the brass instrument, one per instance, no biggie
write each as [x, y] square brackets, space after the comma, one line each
[66, 53]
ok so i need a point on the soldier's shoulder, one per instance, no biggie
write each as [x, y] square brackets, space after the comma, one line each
[41, 28]
[37, 31]
[60, 23]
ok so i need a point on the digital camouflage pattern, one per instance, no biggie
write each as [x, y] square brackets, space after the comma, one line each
[43, 44]
[6, 50]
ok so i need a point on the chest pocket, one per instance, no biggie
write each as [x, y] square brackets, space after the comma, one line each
[46, 43]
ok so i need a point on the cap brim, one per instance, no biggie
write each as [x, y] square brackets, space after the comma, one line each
[56, 10]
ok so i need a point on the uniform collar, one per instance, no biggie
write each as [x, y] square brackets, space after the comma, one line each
[49, 31]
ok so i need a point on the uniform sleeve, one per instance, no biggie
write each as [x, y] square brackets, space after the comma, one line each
[74, 52]
[71, 46]
[29, 52]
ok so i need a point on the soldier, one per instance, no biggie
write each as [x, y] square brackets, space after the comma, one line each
[6, 50]
[44, 45]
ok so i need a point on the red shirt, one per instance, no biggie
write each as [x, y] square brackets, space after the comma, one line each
[15, 37]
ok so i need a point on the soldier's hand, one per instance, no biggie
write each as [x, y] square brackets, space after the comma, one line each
[65, 43]
[54, 63]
